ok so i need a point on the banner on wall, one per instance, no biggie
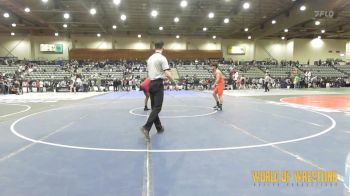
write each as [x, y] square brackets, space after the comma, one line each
[236, 50]
[52, 48]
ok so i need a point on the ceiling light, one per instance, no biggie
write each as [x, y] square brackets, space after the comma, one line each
[161, 28]
[44, 1]
[249, 37]
[154, 13]
[226, 20]
[323, 31]
[56, 34]
[183, 3]
[6, 15]
[246, 5]
[286, 30]
[283, 38]
[123, 17]
[66, 16]
[117, 2]
[98, 35]
[139, 36]
[302, 8]
[92, 11]
[114, 26]
[211, 15]
[65, 25]
[214, 36]
[246, 29]
[12, 34]
[273, 21]
[317, 22]
[27, 9]
[205, 29]
[13, 25]
[176, 19]
[177, 36]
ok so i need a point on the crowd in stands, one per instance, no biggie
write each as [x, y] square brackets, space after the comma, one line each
[126, 75]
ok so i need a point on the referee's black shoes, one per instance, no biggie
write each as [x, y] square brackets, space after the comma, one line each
[160, 130]
[145, 132]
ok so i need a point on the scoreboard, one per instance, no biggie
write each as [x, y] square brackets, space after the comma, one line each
[236, 50]
[52, 48]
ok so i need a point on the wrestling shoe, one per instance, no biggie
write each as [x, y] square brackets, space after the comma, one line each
[219, 108]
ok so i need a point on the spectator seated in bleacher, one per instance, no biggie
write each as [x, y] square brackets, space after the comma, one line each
[99, 74]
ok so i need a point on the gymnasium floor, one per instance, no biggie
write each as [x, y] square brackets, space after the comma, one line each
[90, 144]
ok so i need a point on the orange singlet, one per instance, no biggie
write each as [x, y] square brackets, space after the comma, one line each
[219, 88]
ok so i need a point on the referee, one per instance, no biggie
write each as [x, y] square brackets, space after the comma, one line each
[158, 69]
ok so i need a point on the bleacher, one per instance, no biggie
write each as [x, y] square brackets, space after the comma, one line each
[50, 75]
[8, 69]
[55, 72]
[253, 72]
[47, 72]
[103, 74]
[204, 71]
[248, 71]
[139, 74]
[344, 68]
[279, 72]
[324, 71]
[191, 71]
[225, 69]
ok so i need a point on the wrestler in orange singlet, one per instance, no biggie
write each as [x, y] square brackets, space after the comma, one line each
[219, 86]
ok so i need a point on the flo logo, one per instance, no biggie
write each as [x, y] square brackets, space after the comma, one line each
[323, 13]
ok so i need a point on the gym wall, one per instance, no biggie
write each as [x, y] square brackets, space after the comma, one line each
[24, 46]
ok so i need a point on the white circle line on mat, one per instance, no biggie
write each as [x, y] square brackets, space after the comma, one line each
[13, 130]
[22, 111]
[132, 111]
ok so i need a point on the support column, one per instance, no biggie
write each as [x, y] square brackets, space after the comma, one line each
[114, 44]
[347, 51]
[32, 48]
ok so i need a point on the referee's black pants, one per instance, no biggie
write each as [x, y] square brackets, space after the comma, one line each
[267, 87]
[156, 91]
